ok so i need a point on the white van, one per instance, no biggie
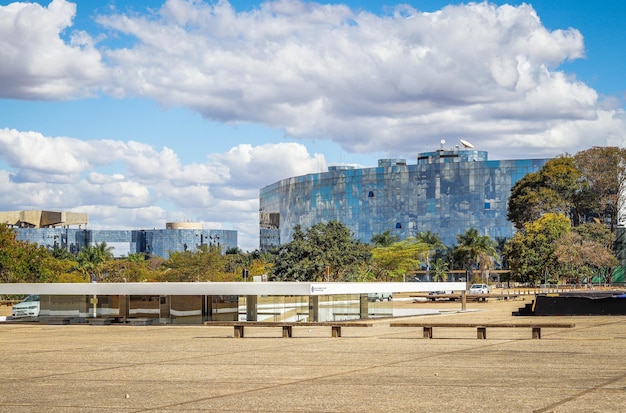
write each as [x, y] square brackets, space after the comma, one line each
[27, 308]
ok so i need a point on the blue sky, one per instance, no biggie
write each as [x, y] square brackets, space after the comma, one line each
[141, 113]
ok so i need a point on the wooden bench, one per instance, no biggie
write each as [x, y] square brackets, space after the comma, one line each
[287, 327]
[481, 328]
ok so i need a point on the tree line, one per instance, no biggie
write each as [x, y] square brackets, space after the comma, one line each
[565, 214]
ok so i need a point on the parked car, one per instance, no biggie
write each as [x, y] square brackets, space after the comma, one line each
[27, 308]
[479, 289]
[440, 292]
[379, 297]
[442, 295]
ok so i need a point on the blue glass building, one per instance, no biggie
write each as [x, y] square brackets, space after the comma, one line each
[447, 192]
[159, 242]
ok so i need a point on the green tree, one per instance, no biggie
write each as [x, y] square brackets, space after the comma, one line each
[91, 257]
[553, 189]
[325, 252]
[440, 270]
[385, 239]
[21, 261]
[392, 263]
[434, 243]
[476, 251]
[531, 252]
[205, 264]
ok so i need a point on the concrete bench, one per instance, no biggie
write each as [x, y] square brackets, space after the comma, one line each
[287, 327]
[481, 328]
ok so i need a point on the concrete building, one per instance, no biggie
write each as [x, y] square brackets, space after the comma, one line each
[447, 192]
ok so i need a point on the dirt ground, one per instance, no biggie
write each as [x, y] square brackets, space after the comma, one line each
[121, 368]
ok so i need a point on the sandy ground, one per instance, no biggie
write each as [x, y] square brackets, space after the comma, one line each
[82, 368]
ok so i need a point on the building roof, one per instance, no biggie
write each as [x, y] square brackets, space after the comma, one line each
[226, 288]
[42, 219]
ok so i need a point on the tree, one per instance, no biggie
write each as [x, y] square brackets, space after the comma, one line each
[91, 256]
[583, 258]
[604, 170]
[553, 189]
[385, 239]
[434, 243]
[21, 261]
[440, 270]
[531, 252]
[596, 240]
[205, 264]
[393, 262]
[325, 252]
[476, 250]
[255, 263]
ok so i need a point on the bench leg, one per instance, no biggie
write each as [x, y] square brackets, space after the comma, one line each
[336, 331]
[238, 332]
[481, 333]
[428, 332]
[287, 331]
[537, 333]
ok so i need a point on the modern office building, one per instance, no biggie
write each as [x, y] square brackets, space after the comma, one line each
[446, 192]
[65, 230]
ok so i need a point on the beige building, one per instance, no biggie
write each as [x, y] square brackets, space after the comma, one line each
[42, 219]
[183, 225]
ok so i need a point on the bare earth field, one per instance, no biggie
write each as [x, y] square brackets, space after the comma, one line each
[121, 368]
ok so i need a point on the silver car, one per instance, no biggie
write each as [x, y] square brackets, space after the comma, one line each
[479, 289]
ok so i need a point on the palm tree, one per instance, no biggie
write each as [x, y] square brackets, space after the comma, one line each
[433, 241]
[90, 257]
[440, 270]
[477, 249]
[384, 240]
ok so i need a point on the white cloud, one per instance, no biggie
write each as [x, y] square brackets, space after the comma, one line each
[318, 71]
[33, 151]
[362, 80]
[265, 164]
[36, 62]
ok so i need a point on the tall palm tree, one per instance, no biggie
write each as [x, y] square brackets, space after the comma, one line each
[433, 241]
[90, 257]
[478, 250]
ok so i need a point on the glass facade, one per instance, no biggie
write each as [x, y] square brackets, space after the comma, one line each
[159, 242]
[447, 192]
[197, 309]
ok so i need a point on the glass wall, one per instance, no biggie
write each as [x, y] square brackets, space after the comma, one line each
[194, 310]
[446, 192]
[160, 242]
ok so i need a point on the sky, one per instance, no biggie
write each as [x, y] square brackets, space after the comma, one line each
[142, 113]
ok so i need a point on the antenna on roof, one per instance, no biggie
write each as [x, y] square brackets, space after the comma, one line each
[442, 142]
[466, 144]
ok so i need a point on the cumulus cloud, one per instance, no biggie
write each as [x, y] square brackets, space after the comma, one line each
[327, 72]
[265, 164]
[75, 175]
[368, 82]
[36, 62]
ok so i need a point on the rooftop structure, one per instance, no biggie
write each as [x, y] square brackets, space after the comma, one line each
[42, 219]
